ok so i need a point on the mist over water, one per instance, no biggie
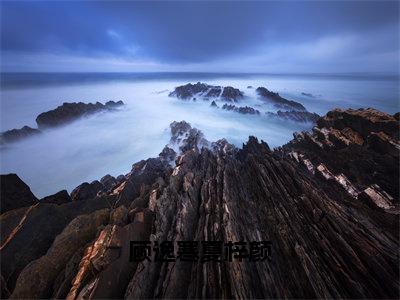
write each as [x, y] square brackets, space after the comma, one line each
[110, 142]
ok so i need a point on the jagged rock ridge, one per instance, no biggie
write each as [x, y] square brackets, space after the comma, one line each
[327, 243]
[205, 91]
[63, 114]
[68, 112]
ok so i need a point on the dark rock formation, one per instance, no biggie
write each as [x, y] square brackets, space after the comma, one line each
[14, 193]
[213, 104]
[357, 146]
[167, 154]
[231, 94]
[86, 190]
[14, 135]
[308, 95]
[296, 116]
[249, 87]
[328, 240]
[278, 101]
[184, 137]
[242, 109]
[189, 91]
[58, 198]
[71, 111]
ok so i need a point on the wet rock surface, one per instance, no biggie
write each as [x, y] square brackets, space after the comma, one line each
[68, 112]
[334, 225]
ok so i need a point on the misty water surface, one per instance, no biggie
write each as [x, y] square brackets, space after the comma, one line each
[109, 143]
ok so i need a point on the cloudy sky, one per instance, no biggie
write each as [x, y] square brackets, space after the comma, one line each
[261, 36]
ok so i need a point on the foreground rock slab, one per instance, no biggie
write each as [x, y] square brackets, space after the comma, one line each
[334, 226]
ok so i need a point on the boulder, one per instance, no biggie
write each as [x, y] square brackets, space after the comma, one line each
[14, 193]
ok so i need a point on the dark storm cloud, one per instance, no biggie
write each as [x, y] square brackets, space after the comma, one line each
[189, 32]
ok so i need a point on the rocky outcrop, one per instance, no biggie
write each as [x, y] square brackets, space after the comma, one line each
[242, 109]
[58, 198]
[86, 190]
[68, 112]
[361, 146]
[184, 137]
[63, 114]
[205, 91]
[14, 135]
[36, 280]
[278, 101]
[329, 237]
[14, 193]
[296, 116]
[231, 94]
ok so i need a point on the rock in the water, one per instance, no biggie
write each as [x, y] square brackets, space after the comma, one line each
[278, 101]
[190, 91]
[184, 137]
[58, 198]
[213, 104]
[308, 95]
[71, 111]
[242, 109]
[15, 135]
[296, 116]
[14, 193]
[231, 94]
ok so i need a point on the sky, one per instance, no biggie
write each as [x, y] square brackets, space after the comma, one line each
[220, 36]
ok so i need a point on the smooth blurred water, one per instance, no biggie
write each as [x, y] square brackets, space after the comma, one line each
[109, 143]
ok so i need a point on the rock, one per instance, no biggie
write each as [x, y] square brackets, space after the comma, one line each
[296, 116]
[249, 87]
[278, 101]
[231, 94]
[168, 155]
[242, 109]
[15, 193]
[184, 137]
[119, 216]
[354, 142]
[213, 104]
[333, 224]
[37, 279]
[86, 191]
[58, 198]
[363, 121]
[15, 135]
[189, 90]
[205, 91]
[308, 95]
[68, 112]
[108, 182]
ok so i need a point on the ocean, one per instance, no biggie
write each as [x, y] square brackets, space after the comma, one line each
[109, 143]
